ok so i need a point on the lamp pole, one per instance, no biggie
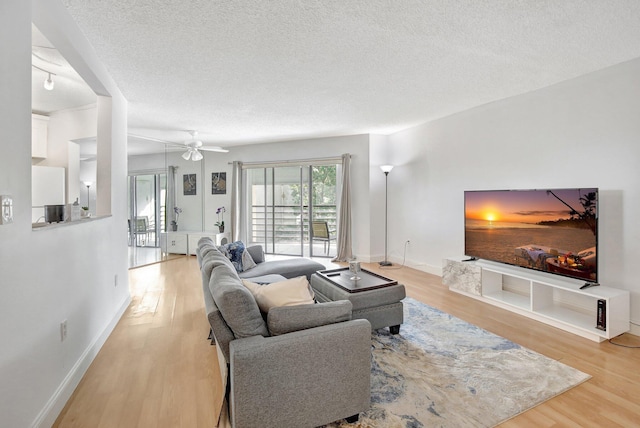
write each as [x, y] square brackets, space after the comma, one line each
[88, 184]
[386, 169]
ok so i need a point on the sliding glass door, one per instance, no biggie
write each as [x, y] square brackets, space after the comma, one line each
[147, 209]
[285, 201]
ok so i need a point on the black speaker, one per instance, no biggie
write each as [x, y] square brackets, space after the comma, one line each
[602, 315]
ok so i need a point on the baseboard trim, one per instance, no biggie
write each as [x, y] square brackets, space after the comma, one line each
[58, 400]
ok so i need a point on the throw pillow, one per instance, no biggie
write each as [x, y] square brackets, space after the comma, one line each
[237, 253]
[294, 291]
[247, 261]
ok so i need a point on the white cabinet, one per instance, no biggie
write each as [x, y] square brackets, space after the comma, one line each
[186, 242]
[218, 238]
[556, 301]
[194, 237]
[39, 135]
[223, 238]
[174, 242]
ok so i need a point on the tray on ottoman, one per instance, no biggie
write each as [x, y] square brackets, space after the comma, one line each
[366, 281]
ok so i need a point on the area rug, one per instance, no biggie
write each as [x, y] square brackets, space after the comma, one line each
[441, 371]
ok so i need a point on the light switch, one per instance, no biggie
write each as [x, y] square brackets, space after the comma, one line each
[6, 205]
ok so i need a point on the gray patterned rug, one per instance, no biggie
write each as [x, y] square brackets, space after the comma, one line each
[441, 371]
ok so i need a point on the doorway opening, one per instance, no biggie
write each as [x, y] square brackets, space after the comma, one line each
[147, 217]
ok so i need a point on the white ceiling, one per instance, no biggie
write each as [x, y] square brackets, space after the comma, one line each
[255, 71]
[69, 90]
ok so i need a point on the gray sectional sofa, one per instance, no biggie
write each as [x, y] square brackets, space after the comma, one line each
[296, 366]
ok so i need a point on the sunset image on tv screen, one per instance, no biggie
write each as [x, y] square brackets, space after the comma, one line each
[551, 230]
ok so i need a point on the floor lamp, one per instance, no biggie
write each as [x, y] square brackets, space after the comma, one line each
[88, 184]
[386, 169]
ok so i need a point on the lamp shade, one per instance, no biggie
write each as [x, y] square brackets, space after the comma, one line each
[196, 155]
[386, 168]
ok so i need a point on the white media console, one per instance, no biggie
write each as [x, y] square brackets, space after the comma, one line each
[550, 299]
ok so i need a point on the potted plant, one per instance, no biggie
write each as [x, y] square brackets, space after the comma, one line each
[84, 212]
[220, 223]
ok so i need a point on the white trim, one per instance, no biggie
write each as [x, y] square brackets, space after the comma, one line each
[295, 162]
[58, 400]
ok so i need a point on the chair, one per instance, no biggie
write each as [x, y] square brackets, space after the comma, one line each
[320, 232]
[141, 229]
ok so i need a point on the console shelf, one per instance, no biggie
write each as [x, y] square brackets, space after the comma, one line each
[553, 300]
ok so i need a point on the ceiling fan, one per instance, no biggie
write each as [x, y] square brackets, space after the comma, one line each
[193, 146]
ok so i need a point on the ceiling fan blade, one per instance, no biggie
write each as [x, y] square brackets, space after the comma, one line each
[156, 140]
[191, 146]
[213, 149]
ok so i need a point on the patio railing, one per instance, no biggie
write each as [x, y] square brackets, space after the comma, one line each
[279, 224]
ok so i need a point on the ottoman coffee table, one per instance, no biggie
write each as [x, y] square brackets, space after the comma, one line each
[374, 297]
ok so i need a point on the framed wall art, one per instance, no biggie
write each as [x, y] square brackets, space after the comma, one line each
[218, 183]
[189, 184]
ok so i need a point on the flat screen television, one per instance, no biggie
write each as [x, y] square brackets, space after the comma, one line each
[554, 230]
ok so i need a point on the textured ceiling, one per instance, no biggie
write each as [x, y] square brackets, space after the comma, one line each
[253, 71]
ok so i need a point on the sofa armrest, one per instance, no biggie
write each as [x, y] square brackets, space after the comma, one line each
[305, 378]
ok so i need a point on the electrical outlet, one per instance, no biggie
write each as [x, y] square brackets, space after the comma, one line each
[115, 280]
[63, 330]
[6, 209]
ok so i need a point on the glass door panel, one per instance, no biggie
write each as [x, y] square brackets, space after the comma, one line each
[281, 209]
[147, 209]
[323, 207]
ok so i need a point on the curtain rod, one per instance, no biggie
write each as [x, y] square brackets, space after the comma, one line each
[294, 161]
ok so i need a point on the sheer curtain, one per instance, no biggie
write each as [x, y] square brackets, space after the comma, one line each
[236, 202]
[344, 251]
[171, 195]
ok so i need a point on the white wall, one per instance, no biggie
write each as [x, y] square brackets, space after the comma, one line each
[51, 275]
[581, 133]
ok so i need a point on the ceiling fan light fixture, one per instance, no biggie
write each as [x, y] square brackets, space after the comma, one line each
[196, 155]
[186, 155]
[48, 84]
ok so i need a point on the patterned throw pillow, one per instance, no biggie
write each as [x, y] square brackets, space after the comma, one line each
[237, 253]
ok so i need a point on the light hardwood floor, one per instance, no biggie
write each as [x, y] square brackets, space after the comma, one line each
[158, 370]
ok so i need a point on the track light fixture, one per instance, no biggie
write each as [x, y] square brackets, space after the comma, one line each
[49, 83]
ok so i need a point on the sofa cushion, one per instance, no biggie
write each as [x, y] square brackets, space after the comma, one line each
[285, 319]
[289, 268]
[267, 279]
[211, 259]
[294, 291]
[236, 303]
